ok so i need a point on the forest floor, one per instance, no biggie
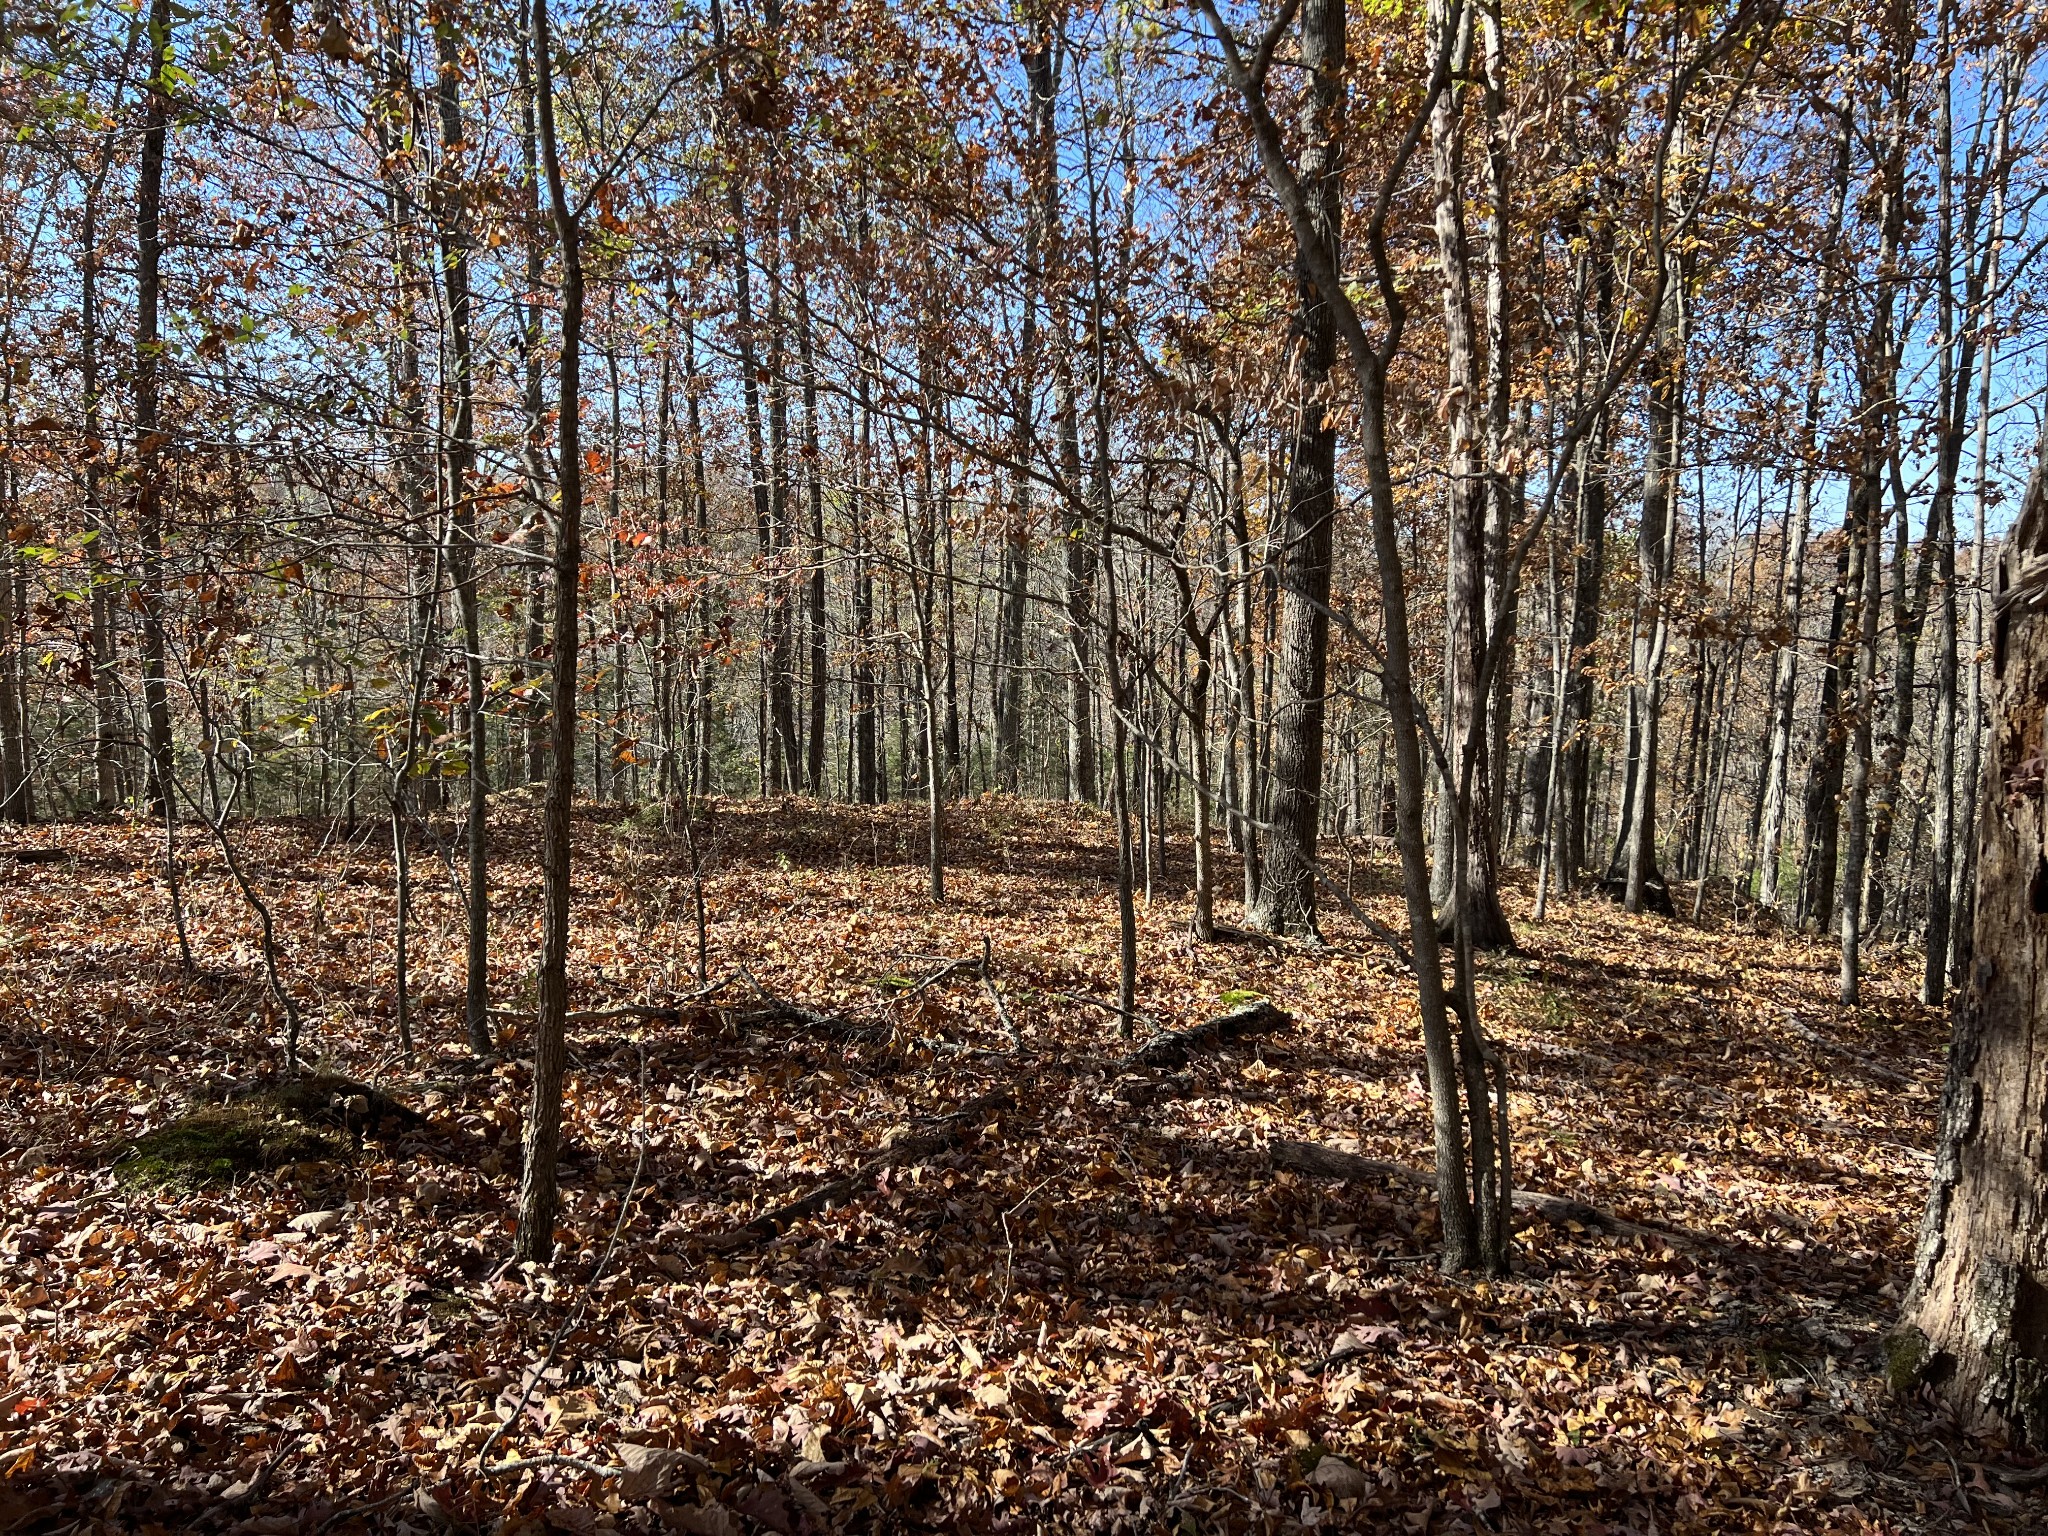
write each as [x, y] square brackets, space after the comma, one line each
[1092, 1303]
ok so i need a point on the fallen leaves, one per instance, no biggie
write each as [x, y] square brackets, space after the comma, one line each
[1061, 1286]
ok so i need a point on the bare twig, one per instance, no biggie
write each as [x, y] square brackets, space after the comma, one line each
[988, 980]
[966, 965]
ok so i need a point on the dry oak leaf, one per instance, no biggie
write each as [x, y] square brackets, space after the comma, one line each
[654, 1471]
[1338, 1478]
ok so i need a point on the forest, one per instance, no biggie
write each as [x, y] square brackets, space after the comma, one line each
[1240, 765]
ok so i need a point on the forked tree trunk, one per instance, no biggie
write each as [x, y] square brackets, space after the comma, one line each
[1465, 797]
[1976, 1319]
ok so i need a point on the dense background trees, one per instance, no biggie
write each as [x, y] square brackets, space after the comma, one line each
[1537, 436]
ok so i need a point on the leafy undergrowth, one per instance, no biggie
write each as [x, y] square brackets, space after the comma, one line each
[1098, 1307]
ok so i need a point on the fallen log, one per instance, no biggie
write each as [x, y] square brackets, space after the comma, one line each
[1329, 1163]
[947, 1132]
[1174, 1047]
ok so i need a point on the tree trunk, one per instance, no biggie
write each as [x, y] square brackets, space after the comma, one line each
[1821, 817]
[1573, 815]
[1876, 431]
[1634, 866]
[531, 397]
[1080, 597]
[748, 347]
[149, 526]
[1963, 886]
[1864, 618]
[1977, 1314]
[1040, 58]
[788, 771]
[1471, 1239]
[1955, 782]
[106, 734]
[667, 783]
[1287, 879]
[1785, 671]
[459, 455]
[15, 753]
[869, 787]
[814, 487]
[700, 495]
[1464, 807]
[543, 1136]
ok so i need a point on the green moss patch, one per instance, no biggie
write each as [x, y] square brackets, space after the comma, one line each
[220, 1144]
[312, 1119]
[1907, 1355]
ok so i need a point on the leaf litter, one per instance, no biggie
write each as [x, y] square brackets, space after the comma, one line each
[869, 1238]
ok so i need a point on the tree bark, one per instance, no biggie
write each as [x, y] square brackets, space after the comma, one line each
[459, 456]
[149, 522]
[543, 1136]
[1976, 1318]
[1465, 881]
[1306, 526]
